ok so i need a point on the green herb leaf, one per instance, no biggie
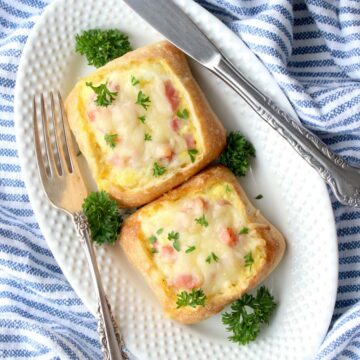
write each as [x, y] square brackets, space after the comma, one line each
[154, 251]
[244, 230]
[147, 137]
[103, 216]
[142, 119]
[190, 249]
[259, 197]
[192, 153]
[202, 221]
[101, 46]
[134, 80]
[244, 324]
[143, 100]
[183, 114]
[111, 140]
[237, 153]
[212, 258]
[78, 153]
[153, 239]
[176, 244]
[173, 235]
[158, 170]
[248, 260]
[228, 189]
[104, 96]
[193, 299]
[159, 231]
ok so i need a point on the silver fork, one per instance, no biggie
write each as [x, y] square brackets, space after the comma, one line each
[64, 187]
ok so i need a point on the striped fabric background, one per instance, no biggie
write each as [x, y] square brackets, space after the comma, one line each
[312, 48]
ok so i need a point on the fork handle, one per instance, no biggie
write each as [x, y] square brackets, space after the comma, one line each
[343, 179]
[112, 344]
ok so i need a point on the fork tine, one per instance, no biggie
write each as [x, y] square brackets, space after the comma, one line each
[68, 145]
[47, 142]
[39, 156]
[58, 141]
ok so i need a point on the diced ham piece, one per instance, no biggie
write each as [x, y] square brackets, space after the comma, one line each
[186, 281]
[197, 205]
[91, 115]
[176, 124]
[172, 95]
[168, 253]
[223, 202]
[190, 141]
[229, 237]
[119, 161]
[165, 152]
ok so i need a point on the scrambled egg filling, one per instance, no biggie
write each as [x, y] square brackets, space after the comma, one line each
[204, 240]
[147, 133]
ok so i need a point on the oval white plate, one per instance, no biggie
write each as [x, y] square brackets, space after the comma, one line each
[295, 198]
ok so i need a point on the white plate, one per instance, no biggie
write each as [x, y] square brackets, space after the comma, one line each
[295, 198]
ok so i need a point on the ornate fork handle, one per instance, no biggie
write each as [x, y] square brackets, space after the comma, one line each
[112, 344]
[343, 179]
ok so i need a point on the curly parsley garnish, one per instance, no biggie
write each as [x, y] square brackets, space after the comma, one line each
[158, 170]
[101, 46]
[212, 258]
[193, 298]
[202, 221]
[245, 324]
[103, 216]
[192, 153]
[111, 140]
[134, 80]
[104, 96]
[147, 137]
[143, 100]
[237, 153]
[183, 114]
[248, 260]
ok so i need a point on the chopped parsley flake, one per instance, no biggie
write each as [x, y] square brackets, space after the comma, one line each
[244, 230]
[111, 140]
[183, 114]
[152, 239]
[248, 260]
[173, 235]
[134, 80]
[212, 258]
[190, 249]
[159, 231]
[147, 137]
[176, 244]
[259, 197]
[143, 100]
[104, 96]
[202, 221]
[142, 118]
[158, 170]
[192, 153]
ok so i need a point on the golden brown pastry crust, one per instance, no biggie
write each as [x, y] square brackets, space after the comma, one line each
[213, 133]
[140, 256]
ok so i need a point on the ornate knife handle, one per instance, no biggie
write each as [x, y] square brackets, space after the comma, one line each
[112, 344]
[343, 179]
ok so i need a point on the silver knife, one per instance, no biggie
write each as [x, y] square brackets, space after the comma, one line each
[166, 17]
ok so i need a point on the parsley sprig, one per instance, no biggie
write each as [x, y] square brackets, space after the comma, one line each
[101, 46]
[104, 96]
[244, 324]
[194, 298]
[143, 100]
[237, 153]
[103, 216]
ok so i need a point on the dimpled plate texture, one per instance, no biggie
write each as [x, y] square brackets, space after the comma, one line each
[295, 198]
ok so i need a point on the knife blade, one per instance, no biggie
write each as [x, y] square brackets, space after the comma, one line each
[167, 18]
[171, 21]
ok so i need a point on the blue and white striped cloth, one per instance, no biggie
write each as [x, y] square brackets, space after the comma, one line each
[312, 48]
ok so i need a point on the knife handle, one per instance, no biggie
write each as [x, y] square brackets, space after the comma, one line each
[343, 179]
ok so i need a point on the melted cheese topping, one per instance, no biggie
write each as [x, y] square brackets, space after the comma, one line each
[130, 163]
[226, 218]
